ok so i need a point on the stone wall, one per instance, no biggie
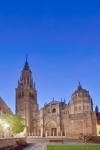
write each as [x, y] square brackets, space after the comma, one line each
[11, 142]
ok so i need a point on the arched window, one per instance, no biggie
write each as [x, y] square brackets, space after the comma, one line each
[31, 94]
[53, 110]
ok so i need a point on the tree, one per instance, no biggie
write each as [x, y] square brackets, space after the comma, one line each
[96, 110]
[16, 123]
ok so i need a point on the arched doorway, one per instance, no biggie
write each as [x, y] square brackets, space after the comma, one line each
[51, 128]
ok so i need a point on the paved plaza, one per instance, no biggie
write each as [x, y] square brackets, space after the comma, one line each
[41, 144]
[37, 146]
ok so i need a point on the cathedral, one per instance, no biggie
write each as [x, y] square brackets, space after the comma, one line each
[56, 118]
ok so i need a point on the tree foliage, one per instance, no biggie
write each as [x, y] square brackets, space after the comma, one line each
[96, 109]
[15, 121]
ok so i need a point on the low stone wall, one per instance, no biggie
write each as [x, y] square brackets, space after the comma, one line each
[92, 139]
[11, 142]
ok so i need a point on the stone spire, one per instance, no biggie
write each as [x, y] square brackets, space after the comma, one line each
[26, 66]
[26, 76]
[26, 99]
[79, 86]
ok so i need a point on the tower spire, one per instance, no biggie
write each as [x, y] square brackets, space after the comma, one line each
[26, 58]
[79, 86]
[26, 99]
[26, 66]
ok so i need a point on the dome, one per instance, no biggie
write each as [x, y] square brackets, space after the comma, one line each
[81, 94]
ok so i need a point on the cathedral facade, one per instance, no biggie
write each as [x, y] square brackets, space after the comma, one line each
[56, 118]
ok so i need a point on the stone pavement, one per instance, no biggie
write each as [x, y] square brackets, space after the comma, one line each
[37, 146]
[41, 144]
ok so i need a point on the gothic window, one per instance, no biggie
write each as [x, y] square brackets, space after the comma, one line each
[53, 110]
[21, 94]
[31, 94]
[27, 80]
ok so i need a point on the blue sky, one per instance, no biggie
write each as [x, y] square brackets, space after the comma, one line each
[62, 40]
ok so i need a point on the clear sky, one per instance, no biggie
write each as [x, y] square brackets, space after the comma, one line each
[62, 40]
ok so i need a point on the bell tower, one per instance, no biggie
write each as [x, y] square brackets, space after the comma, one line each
[26, 99]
